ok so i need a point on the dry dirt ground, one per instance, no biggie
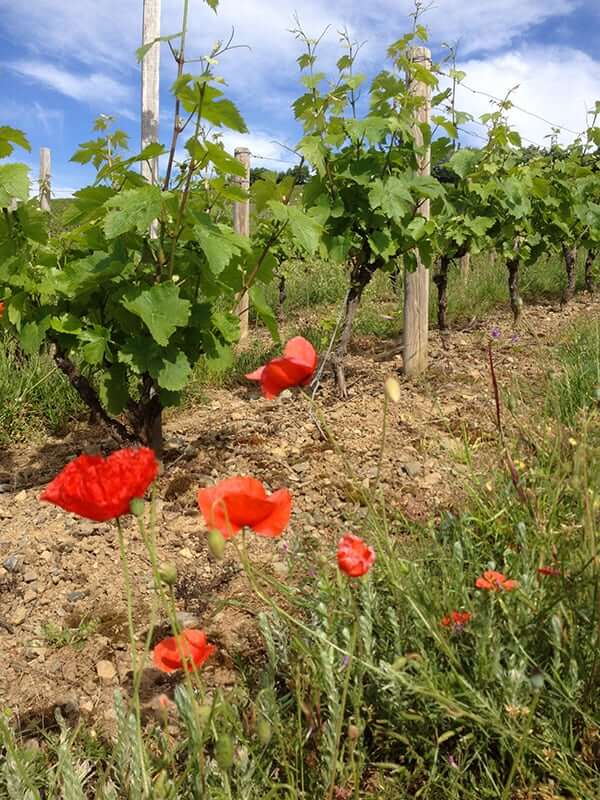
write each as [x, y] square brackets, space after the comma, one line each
[60, 570]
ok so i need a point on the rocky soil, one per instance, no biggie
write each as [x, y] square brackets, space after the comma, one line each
[59, 573]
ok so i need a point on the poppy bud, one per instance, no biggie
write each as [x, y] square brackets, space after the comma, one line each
[136, 506]
[399, 663]
[168, 574]
[392, 390]
[216, 544]
[353, 732]
[160, 784]
[224, 751]
[204, 712]
[263, 730]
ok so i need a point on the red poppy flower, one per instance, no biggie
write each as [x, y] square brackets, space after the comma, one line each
[294, 368]
[354, 556]
[192, 644]
[553, 571]
[457, 619]
[2, 307]
[495, 582]
[102, 488]
[241, 502]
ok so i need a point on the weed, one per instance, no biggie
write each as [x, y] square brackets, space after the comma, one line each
[62, 636]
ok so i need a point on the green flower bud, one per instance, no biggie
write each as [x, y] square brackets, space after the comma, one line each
[216, 544]
[224, 751]
[353, 732]
[264, 730]
[204, 712]
[137, 507]
[168, 574]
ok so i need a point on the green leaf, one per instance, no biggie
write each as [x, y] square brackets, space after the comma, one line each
[161, 309]
[463, 161]
[34, 223]
[14, 183]
[223, 113]
[305, 229]
[174, 370]
[264, 310]
[219, 243]
[227, 324]
[392, 196]
[223, 161]
[9, 137]
[141, 51]
[212, 4]
[97, 341]
[32, 335]
[132, 209]
[113, 389]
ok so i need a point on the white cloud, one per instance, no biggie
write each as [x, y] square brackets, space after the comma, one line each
[559, 84]
[93, 87]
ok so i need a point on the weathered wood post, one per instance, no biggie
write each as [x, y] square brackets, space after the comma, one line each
[241, 225]
[416, 284]
[44, 186]
[150, 85]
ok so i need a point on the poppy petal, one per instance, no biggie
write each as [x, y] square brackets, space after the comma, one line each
[280, 374]
[300, 350]
[280, 503]
[256, 375]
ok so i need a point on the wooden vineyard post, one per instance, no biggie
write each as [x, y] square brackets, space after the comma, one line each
[416, 284]
[150, 85]
[241, 225]
[44, 187]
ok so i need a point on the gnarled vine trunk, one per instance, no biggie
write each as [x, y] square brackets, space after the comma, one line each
[590, 258]
[441, 281]
[516, 302]
[144, 416]
[570, 256]
[361, 274]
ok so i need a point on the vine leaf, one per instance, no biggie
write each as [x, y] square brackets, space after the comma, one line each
[160, 308]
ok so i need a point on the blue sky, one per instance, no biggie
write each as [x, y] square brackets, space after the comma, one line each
[63, 62]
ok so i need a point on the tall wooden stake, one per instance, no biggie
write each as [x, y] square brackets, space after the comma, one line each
[241, 225]
[465, 266]
[45, 178]
[150, 85]
[416, 284]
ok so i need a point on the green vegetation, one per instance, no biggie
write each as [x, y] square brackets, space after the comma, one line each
[63, 636]
[364, 689]
[35, 398]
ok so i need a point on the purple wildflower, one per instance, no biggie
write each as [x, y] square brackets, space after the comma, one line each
[495, 333]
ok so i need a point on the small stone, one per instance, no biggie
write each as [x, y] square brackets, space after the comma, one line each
[74, 597]
[30, 576]
[411, 468]
[4, 487]
[302, 467]
[187, 620]
[29, 596]
[185, 552]
[106, 671]
[19, 616]
[87, 706]
[12, 563]
[45, 555]
[286, 394]
[21, 496]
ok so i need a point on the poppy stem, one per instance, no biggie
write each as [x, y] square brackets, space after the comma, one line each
[136, 695]
[342, 709]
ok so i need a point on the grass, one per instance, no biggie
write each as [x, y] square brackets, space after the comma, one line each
[578, 386]
[359, 692]
[35, 398]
